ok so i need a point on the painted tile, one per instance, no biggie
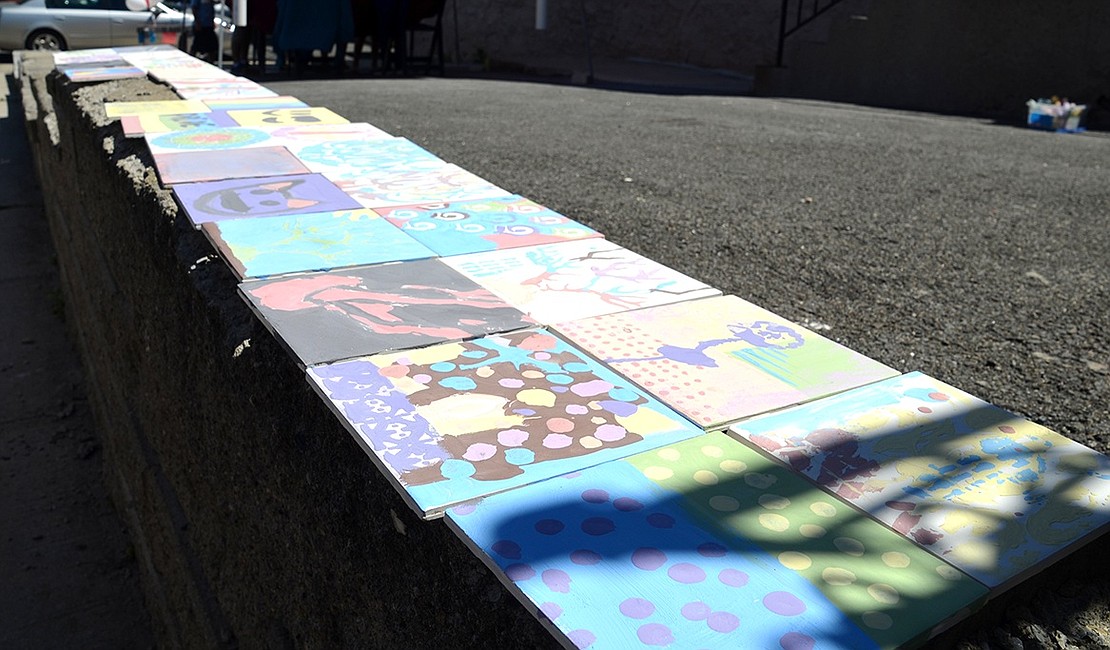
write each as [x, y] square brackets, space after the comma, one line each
[304, 134]
[361, 311]
[311, 242]
[994, 494]
[89, 65]
[175, 71]
[286, 116]
[242, 137]
[197, 166]
[85, 75]
[75, 57]
[238, 88]
[577, 279]
[255, 103]
[162, 107]
[137, 125]
[456, 421]
[489, 224]
[722, 359]
[354, 158]
[261, 197]
[892, 589]
[705, 543]
[448, 183]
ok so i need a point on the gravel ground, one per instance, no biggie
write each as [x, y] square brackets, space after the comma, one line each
[976, 252]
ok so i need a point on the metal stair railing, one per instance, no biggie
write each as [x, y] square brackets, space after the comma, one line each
[793, 19]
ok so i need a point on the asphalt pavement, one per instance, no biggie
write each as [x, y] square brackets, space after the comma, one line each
[974, 251]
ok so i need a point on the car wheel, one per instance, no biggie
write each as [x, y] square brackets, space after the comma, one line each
[45, 39]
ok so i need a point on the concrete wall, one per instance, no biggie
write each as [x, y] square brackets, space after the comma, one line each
[257, 520]
[985, 57]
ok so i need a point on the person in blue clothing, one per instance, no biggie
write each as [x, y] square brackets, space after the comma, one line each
[307, 25]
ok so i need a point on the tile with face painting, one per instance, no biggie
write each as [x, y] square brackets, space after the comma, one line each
[260, 197]
[455, 421]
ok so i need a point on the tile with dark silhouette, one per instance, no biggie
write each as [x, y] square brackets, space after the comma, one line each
[261, 197]
[212, 165]
[708, 543]
[242, 137]
[994, 494]
[721, 359]
[365, 310]
[456, 421]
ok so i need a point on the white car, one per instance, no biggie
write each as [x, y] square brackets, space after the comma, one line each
[78, 24]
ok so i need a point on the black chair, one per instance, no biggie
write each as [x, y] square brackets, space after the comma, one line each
[425, 17]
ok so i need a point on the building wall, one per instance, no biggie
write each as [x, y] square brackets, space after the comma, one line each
[985, 57]
[708, 33]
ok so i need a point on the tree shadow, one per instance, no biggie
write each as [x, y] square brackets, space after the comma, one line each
[601, 514]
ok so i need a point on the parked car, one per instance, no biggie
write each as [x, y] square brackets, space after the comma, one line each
[77, 24]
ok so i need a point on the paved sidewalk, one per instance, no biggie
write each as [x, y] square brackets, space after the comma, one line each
[69, 576]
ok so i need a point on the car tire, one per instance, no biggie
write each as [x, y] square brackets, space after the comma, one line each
[46, 39]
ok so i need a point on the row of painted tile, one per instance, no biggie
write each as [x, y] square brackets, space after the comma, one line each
[813, 439]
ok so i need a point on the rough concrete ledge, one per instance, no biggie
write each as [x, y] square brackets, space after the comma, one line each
[258, 521]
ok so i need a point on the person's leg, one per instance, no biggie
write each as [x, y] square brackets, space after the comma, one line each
[240, 45]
